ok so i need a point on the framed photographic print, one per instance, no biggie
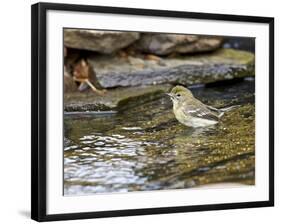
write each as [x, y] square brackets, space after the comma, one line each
[139, 111]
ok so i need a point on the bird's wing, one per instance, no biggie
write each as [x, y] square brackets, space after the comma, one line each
[213, 109]
[199, 110]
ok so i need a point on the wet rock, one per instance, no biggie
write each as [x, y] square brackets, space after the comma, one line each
[163, 44]
[99, 41]
[224, 64]
[120, 98]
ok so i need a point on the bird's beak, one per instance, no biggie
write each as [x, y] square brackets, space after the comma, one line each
[170, 95]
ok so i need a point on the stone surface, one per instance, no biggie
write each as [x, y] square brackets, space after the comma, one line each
[99, 41]
[117, 98]
[224, 64]
[68, 83]
[163, 44]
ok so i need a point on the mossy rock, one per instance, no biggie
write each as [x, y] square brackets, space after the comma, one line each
[116, 98]
[224, 64]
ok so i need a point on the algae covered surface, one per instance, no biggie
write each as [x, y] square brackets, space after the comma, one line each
[142, 147]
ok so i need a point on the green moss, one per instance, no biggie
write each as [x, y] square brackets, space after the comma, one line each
[236, 56]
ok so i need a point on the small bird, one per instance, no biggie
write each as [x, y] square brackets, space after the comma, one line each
[192, 112]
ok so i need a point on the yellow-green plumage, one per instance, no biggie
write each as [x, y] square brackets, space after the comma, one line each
[190, 111]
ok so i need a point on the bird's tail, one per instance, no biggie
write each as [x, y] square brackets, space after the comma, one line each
[226, 109]
[221, 111]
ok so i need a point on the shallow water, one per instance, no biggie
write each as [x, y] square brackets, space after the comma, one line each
[143, 147]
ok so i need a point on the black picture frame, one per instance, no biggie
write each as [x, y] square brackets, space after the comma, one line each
[38, 108]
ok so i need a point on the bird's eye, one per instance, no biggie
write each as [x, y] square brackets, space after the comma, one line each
[178, 95]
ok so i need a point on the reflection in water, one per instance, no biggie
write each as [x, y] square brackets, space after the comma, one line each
[145, 148]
